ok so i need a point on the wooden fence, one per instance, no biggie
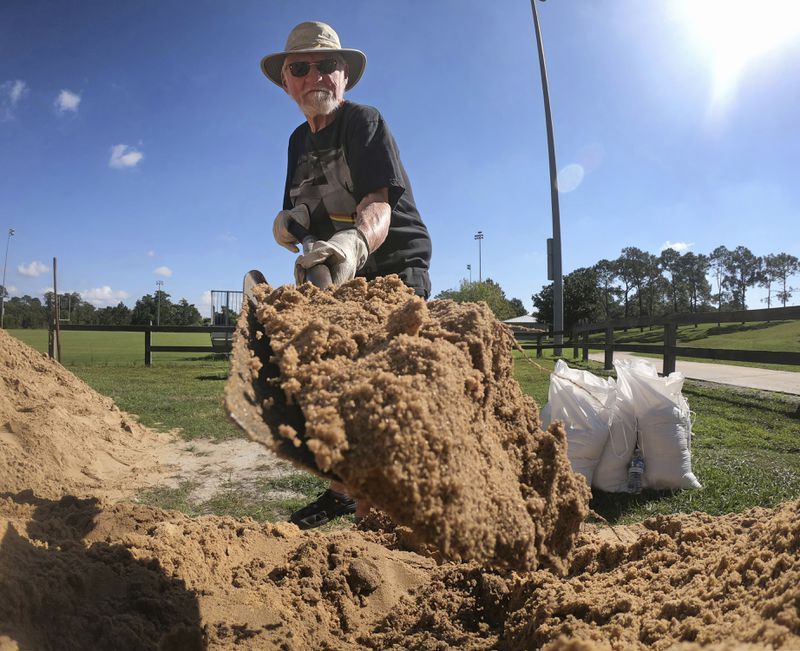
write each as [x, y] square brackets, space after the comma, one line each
[580, 338]
[220, 344]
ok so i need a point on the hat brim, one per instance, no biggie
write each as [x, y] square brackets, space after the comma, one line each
[356, 62]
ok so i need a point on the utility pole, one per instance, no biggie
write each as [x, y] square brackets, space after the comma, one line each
[159, 285]
[479, 237]
[4, 292]
[555, 250]
[469, 268]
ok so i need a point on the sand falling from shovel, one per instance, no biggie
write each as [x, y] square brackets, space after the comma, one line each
[414, 406]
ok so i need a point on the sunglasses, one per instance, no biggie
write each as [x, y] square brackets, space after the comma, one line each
[301, 68]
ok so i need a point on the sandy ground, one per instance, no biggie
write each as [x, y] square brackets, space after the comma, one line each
[82, 568]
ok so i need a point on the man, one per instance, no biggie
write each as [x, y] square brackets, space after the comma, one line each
[346, 185]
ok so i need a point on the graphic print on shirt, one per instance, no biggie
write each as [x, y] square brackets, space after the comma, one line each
[322, 182]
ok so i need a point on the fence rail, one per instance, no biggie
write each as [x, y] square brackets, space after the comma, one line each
[579, 338]
[149, 348]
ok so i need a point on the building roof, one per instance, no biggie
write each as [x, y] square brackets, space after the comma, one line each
[525, 319]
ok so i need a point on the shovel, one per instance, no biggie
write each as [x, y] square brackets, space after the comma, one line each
[254, 399]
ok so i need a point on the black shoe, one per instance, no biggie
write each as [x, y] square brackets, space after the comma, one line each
[326, 507]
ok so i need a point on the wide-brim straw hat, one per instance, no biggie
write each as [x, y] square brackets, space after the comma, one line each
[314, 37]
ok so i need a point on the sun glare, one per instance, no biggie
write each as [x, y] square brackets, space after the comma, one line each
[734, 33]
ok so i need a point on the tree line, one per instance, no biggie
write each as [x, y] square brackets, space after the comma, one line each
[489, 292]
[31, 312]
[640, 284]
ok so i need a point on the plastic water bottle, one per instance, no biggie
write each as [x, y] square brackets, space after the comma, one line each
[635, 472]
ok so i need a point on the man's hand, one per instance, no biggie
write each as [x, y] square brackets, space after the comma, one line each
[280, 229]
[344, 253]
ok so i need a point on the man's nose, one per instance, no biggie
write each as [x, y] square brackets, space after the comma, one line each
[314, 75]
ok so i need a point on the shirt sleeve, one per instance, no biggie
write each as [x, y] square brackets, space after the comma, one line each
[372, 157]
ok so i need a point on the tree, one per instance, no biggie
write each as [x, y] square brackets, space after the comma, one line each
[583, 299]
[694, 268]
[718, 262]
[784, 266]
[641, 271]
[606, 271]
[742, 270]
[518, 307]
[25, 312]
[487, 291]
[144, 311]
[184, 313]
[627, 275]
[670, 261]
[118, 315]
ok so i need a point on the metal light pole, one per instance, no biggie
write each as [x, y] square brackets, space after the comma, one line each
[159, 284]
[555, 265]
[479, 237]
[469, 268]
[3, 293]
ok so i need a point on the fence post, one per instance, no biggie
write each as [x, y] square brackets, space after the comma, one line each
[574, 336]
[670, 341]
[539, 345]
[585, 356]
[609, 360]
[148, 354]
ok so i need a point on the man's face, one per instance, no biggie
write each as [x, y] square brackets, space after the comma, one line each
[316, 93]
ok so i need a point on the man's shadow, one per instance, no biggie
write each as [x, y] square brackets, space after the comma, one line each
[58, 592]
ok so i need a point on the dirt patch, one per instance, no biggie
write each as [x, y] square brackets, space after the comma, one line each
[80, 572]
[413, 405]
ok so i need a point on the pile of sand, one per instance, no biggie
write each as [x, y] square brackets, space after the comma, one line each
[58, 436]
[86, 573]
[413, 405]
[83, 574]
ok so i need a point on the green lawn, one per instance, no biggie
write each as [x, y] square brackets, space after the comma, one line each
[771, 336]
[745, 446]
[744, 450]
[86, 348]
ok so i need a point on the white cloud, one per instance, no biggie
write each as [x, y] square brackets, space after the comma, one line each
[67, 101]
[103, 296]
[32, 270]
[678, 246]
[163, 271]
[205, 299]
[12, 291]
[227, 237]
[11, 93]
[123, 156]
[151, 254]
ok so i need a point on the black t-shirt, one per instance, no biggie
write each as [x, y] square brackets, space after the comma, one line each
[332, 170]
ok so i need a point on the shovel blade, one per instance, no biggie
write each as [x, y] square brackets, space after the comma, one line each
[254, 399]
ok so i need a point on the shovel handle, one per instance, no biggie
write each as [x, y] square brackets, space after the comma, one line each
[318, 275]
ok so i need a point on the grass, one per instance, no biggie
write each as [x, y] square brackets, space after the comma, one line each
[116, 348]
[744, 449]
[745, 446]
[780, 336]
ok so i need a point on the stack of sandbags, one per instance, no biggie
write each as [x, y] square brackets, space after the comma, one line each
[605, 421]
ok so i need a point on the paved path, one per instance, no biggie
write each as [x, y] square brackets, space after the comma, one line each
[742, 376]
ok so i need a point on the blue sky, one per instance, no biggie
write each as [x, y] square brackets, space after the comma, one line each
[139, 140]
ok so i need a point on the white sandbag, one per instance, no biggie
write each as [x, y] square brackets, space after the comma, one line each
[611, 473]
[664, 424]
[583, 402]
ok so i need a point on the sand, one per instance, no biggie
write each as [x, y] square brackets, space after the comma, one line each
[92, 572]
[413, 405]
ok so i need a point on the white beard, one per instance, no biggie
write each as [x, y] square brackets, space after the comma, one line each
[319, 102]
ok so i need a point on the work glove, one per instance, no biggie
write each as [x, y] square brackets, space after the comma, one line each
[344, 254]
[280, 228]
